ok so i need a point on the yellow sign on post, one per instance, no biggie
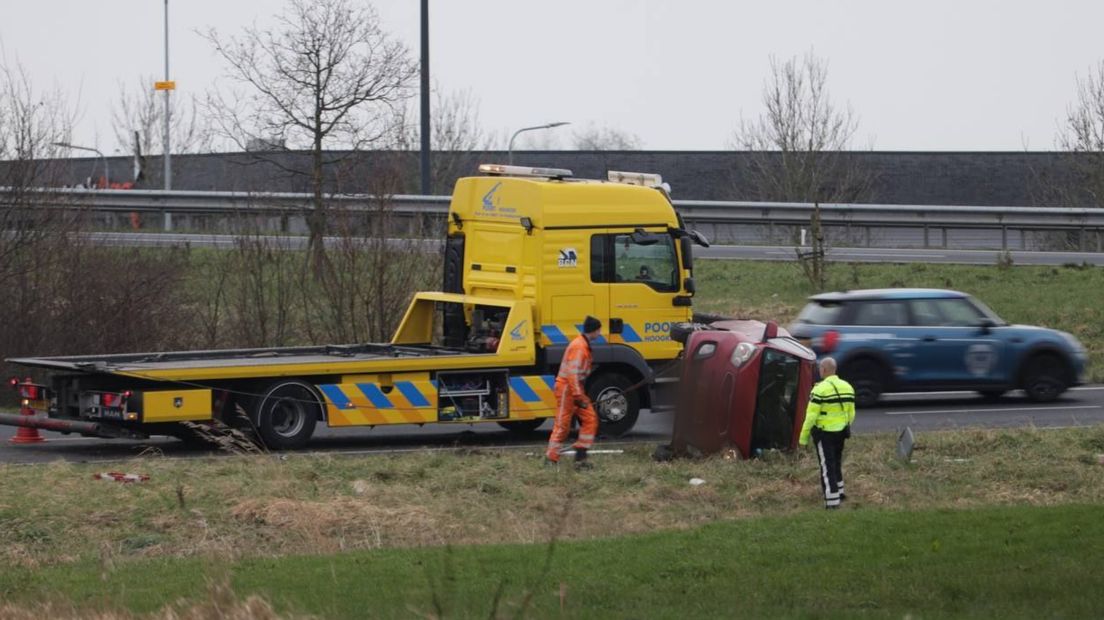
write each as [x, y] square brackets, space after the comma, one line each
[170, 85]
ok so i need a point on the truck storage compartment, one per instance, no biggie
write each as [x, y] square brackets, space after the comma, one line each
[463, 396]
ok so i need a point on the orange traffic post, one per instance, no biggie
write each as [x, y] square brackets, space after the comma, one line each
[26, 434]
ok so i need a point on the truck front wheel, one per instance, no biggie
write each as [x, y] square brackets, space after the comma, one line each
[616, 404]
[286, 415]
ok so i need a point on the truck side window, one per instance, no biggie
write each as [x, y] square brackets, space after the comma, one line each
[654, 265]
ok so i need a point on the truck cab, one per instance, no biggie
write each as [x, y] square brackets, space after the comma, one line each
[613, 249]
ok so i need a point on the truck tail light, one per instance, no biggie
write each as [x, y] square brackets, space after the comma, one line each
[115, 399]
[26, 389]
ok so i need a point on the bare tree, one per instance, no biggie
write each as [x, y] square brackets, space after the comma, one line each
[327, 76]
[457, 142]
[141, 109]
[32, 124]
[800, 143]
[1082, 136]
[595, 138]
[799, 149]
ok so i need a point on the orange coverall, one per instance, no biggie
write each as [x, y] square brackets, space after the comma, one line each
[570, 389]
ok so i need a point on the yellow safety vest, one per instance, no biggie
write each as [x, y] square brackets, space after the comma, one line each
[831, 407]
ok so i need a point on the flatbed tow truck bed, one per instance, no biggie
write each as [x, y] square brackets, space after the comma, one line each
[348, 358]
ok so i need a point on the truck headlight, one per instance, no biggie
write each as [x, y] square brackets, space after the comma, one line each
[742, 353]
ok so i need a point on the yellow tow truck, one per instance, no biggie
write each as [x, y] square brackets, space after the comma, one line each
[530, 252]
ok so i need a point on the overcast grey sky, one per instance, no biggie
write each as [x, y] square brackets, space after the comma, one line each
[930, 75]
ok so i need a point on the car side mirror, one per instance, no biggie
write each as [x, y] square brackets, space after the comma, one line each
[986, 324]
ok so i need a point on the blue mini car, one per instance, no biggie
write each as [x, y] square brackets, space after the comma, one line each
[901, 340]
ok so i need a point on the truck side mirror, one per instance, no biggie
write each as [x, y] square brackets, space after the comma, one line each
[699, 238]
[686, 246]
[688, 285]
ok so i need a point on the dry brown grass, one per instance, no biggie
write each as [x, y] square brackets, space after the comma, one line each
[220, 604]
[265, 506]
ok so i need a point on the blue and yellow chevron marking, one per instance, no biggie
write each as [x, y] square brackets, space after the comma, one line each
[367, 403]
[532, 396]
[552, 334]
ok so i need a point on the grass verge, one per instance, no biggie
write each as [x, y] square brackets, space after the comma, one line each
[993, 562]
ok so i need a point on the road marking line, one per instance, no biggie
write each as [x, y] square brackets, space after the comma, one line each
[1013, 409]
[890, 396]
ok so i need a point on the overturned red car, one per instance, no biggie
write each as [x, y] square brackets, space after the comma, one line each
[744, 386]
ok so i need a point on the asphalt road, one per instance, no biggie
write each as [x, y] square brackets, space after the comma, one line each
[730, 252]
[922, 412]
[905, 255]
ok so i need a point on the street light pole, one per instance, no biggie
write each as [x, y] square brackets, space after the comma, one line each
[426, 136]
[167, 157]
[510, 147]
[168, 109]
[107, 172]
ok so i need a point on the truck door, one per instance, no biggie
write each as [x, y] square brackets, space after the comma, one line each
[644, 282]
[573, 285]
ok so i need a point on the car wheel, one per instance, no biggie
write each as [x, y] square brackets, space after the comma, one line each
[522, 427]
[868, 378]
[1044, 378]
[617, 406]
[286, 415]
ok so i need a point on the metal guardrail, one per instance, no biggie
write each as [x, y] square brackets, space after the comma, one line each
[927, 219]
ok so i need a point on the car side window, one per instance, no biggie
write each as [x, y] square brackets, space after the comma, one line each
[925, 313]
[888, 313]
[958, 312]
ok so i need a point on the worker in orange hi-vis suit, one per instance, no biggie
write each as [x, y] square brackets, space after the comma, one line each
[572, 399]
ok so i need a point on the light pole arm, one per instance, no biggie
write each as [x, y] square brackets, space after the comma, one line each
[510, 146]
[107, 171]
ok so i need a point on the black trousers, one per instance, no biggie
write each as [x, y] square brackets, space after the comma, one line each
[829, 449]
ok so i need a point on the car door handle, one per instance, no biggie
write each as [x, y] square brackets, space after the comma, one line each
[928, 339]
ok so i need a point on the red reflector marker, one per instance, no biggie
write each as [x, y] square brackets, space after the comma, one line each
[831, 339]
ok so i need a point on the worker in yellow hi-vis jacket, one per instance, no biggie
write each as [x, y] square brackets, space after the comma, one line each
[828, 421]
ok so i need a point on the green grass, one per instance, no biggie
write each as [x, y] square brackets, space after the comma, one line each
[995, 523]
[1070, 298]
[1021, 562]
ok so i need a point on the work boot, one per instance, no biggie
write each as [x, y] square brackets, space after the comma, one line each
[581, 461]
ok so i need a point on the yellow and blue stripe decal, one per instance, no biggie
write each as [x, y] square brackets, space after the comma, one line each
[415, 402]
[532, 396]
[552, 334]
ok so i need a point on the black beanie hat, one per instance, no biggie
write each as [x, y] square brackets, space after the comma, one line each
[591, 324]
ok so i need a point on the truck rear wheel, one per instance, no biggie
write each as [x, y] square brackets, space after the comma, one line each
[286, 415]
[617, 406]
